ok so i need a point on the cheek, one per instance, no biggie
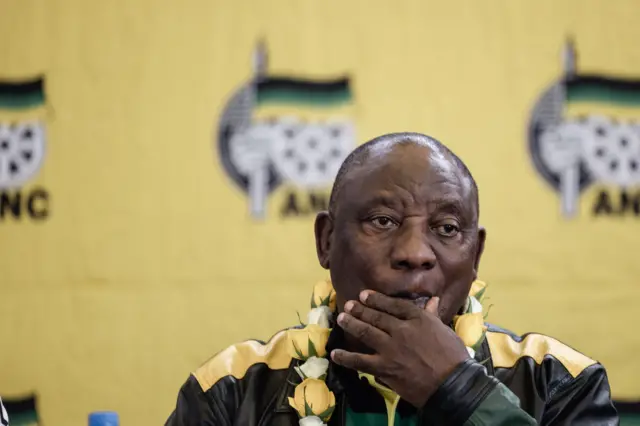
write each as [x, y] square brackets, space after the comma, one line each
[458, 272]
[354, 262]
[452, 300]
[456, 260]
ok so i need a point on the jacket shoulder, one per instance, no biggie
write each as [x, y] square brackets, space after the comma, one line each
[236, 360]
[508, 348]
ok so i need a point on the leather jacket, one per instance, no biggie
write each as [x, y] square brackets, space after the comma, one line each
[513, 380]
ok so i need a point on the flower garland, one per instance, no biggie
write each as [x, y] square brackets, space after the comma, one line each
[312, 399]
[469, 326]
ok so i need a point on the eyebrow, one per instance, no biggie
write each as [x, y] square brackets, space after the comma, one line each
[451, 205]
[381, 199]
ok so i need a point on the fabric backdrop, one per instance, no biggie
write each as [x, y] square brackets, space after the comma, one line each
[163, 163]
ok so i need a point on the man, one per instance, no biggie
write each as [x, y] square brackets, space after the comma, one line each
[402, 226]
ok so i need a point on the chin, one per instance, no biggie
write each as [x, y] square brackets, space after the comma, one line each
[447, 313]
[447, 319]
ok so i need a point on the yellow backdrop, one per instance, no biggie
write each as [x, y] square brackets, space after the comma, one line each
[149, 262]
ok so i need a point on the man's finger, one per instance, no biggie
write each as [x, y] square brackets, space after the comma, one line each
[399, 308]
[432, 306]
[360, 362]
[378, 319]
[365, 333]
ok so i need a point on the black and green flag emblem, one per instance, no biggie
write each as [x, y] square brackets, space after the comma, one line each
[21, 95]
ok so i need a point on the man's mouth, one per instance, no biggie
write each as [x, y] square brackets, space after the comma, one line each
[421, 302]
[419, 299]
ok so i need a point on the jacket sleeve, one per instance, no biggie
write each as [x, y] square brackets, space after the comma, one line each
[582, 401]
[196, 407]
[471, 397]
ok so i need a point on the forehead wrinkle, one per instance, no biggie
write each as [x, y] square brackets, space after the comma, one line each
[437, 156]
[383, 198]
[444, 169]
[451, 175]
[453, 205]
[448, 198]
[447, 177]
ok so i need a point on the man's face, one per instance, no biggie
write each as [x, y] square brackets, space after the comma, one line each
[405, 225]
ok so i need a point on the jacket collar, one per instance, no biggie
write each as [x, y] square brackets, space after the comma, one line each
[287, 389]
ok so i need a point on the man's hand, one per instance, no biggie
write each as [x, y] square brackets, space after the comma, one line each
[414, 350]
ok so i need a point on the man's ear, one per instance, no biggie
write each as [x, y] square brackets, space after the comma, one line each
[482, 237]
[323, 230]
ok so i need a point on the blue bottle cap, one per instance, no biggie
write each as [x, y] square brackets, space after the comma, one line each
[103, 418]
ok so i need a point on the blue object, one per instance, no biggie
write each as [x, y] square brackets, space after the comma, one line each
[104, 418]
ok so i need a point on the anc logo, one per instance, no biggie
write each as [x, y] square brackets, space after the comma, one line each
[293, 133]
[22, 149]
[585, 132]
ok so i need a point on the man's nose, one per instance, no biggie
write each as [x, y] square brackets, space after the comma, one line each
[411, 250]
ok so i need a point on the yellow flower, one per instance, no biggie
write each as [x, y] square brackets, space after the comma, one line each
[477, 289]
[307, 342]
[324, 294]
[470, 328]
[312, 397]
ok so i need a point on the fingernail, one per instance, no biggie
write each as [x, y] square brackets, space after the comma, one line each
[432, 305]
[364, 295]
[348, 306]
[341, 318]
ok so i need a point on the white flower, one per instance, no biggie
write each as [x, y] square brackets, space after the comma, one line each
[319, 316]
[313, 368]
[472, 353]
[311, 421]
[475, 306]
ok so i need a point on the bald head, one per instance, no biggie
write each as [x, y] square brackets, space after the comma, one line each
[385, 144]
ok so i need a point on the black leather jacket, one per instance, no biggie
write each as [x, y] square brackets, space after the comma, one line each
[248, 384]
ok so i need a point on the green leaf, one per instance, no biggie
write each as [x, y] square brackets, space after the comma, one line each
[485, 361]
[326, 414]
[300, 320]
[476, 346]
[480, 294]
[312, 349]
[469, 306]
[486, 314]
[298, 351]
[313, 302]
[326, 300]
[300, 373]
[308, 409]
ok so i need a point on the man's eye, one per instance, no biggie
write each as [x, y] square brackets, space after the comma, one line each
[384, 222]
[447, 230]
